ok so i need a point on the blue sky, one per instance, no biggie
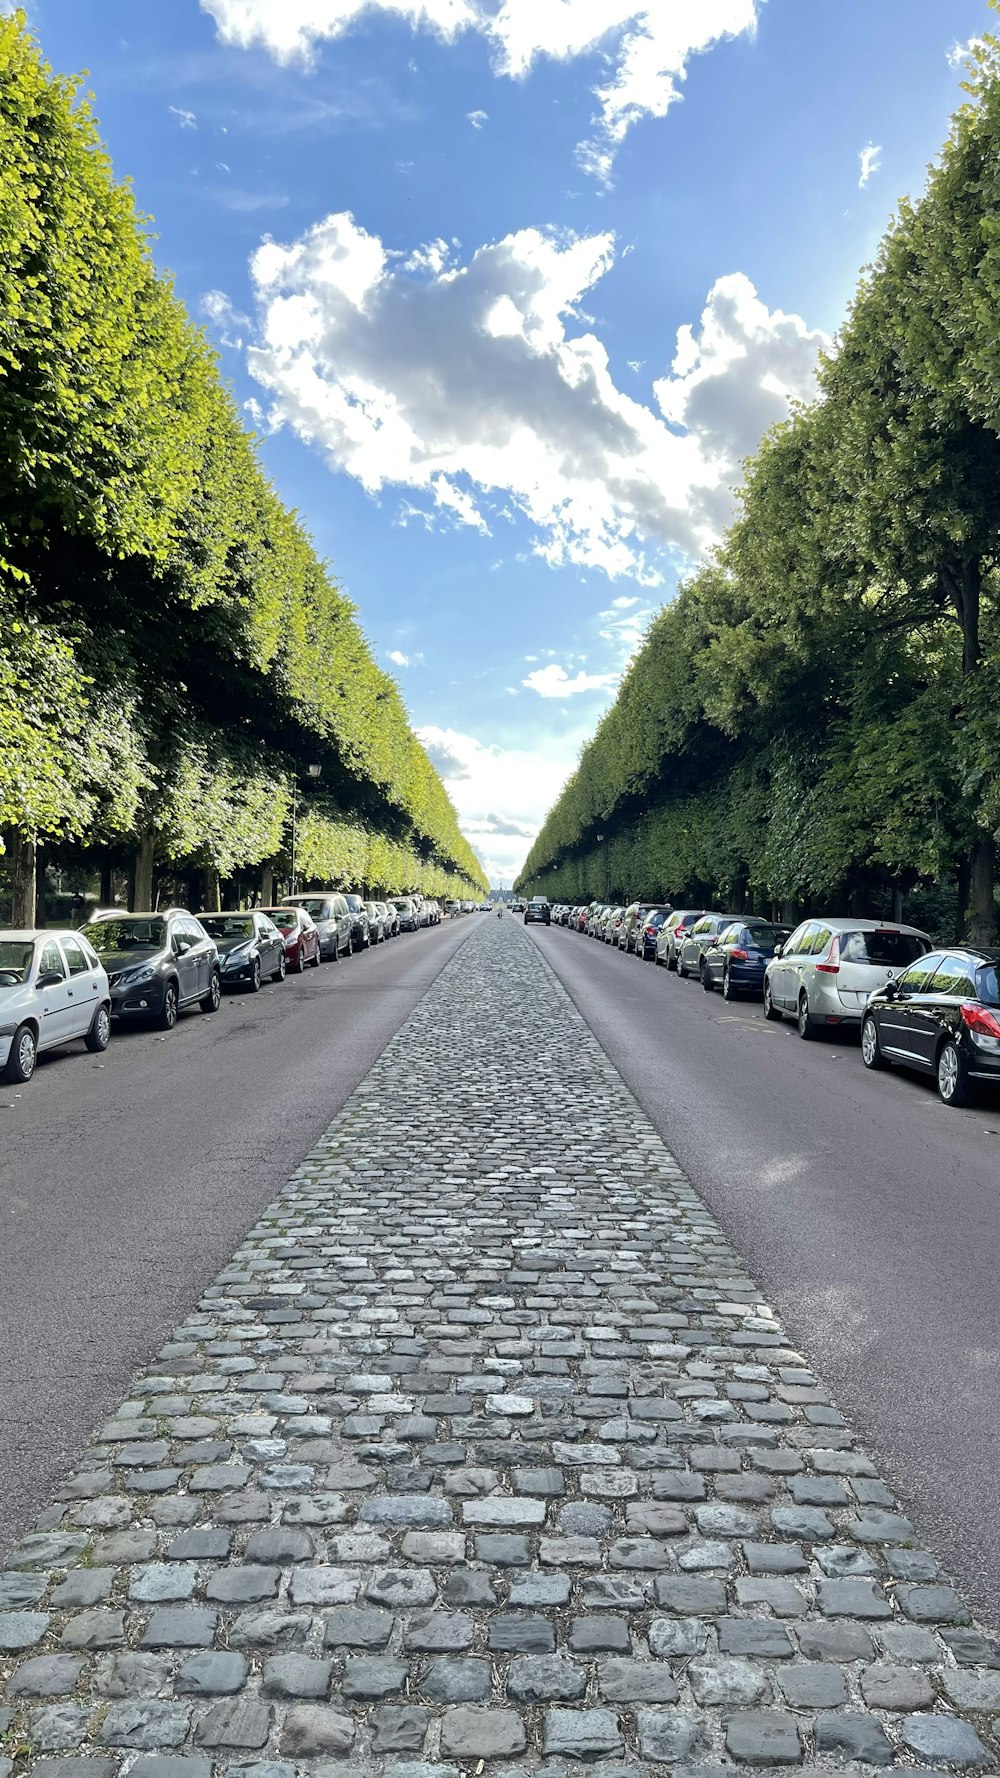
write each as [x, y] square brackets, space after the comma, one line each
[509, 288]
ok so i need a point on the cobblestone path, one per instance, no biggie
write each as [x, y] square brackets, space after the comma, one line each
[483, 1455]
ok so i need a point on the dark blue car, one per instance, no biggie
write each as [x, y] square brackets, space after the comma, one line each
[737, 958]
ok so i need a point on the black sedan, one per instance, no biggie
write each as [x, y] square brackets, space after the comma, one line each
[250, 948]
[942, 1017]
[737, 958]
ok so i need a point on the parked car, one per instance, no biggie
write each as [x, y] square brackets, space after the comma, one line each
[407, 914]
[360, 939]
[673, 931]
[735, 961]
[430, 913]
[332, 918]
[595, 914]
[53, 989]
[250, 947]
[156, 964]
[390, 918]
[301, 936]
[694, 942]
[648, 931]
[825, 972]
[377, 926]
[537, 910]
[626, 930]
[941, 1016]
[611, 926]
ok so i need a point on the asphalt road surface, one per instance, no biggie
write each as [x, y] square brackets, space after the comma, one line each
[868, 1211]
[128, 1180]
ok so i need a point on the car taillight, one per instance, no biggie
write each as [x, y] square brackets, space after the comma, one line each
[650, 931]
[978, 1019]
[831, 962]
[738, 956]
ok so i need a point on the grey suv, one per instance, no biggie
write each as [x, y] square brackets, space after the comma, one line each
[156, 963]
[538, 909]
[332, 918]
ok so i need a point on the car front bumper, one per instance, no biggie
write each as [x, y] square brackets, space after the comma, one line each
[137, 1002]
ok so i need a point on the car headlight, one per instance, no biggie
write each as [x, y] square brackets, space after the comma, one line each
[135, 976]
[236, 956]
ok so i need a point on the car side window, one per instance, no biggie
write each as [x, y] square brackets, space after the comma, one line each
[819, 940]
[794, 944]
[193, 931]
[917, 978]
[79, 963]
[954, 975]
[50, 962]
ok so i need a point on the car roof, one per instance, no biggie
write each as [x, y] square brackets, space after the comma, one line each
[23, 934]
[848, 925]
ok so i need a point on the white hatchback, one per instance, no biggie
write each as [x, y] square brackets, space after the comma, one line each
[53, 989]
[823, 974]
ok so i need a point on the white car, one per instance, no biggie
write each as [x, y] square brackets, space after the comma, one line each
[53, 989]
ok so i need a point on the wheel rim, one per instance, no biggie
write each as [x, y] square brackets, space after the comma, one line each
[26, 1054]
[216, 992]
[255, 978]
[170, 1005]
[868, 1043]
[948, 1071]
[767, 996]
[803, 1015]
[103, 1027]
[725, 984]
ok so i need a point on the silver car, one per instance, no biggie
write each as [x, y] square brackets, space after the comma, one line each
[822, 976]
[332, 918]
[52, 989]
[692, 947]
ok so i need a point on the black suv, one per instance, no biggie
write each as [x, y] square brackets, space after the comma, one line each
[538, 909]
[156, 963]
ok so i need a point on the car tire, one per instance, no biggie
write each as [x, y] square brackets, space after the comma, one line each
[770, 1010]
[213, 999]
[804, 1023]
[20, 1064]
[166, 1018]
[282, 969]
[953, 1081]
[99, 1035]
[299, 966]
[254, 983]
[316, 958]
[706, 978]
[871, 1049]
[672, 962]
[728, 991]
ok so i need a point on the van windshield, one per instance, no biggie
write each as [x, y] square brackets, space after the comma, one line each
[889, 950]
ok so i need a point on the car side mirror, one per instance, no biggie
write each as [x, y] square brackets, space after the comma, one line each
[50, 979]
[891, 988]
[779, 950]
[181, 945]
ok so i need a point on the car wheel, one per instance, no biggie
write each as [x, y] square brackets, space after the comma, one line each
[706, 978]
[99, 1035]
[804, 1019]
[770, 1010]
[23, 1056]
[214, 995]
[953, 1076]
[254, 983]
[728, 991]
[871, 1049]
[167, 1018]
[316, 959]
[299, 964]
[282, 969]
[672, 961]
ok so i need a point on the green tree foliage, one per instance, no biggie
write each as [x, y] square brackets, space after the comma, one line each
[814, 718]
[172, 651]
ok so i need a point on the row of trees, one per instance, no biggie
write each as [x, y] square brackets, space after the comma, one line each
[178, 671]
[815, 717]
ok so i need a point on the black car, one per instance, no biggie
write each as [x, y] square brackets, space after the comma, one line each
[647, 929]
[156, 964]
[538, 909]
[360, 934]
[941, 1016]
[737, 959]
[250, 947]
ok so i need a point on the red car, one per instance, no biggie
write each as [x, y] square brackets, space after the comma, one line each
[299, 932]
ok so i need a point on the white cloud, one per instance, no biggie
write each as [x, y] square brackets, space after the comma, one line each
[398, 659]
[502, 794]
[553, 681]
[186, 119]
[647, 44]
[481, 387]
[477, 118]
[219, 311]
[960, 53]
[871, 162]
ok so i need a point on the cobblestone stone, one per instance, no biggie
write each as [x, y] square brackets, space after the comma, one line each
[484, 1448]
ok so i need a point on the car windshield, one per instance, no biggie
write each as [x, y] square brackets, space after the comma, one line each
[764, 938]
[15, 959]
[284, 918]
[889, 950]
[228, 925]
[403, 907]
[110, 937]
[315, 906]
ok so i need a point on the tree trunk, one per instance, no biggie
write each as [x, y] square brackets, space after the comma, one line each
[213, 891]
[142, 890]
[897, 905]
[22, 858]
[982, 909]
[267, 886]
[107, 885]
[40, 912]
